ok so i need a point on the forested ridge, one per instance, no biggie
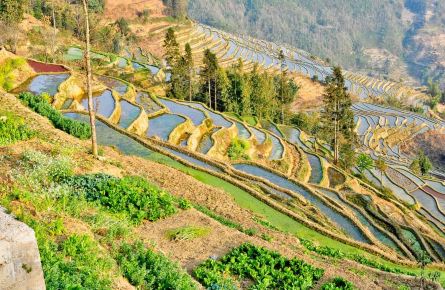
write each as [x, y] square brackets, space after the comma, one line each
[372, 35]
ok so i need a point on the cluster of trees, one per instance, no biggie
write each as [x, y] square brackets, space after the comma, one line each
[256, 93]
[177, 8]
[421, 165]
[11, 14]
[67, 16]
[338, 120]
[342, 30]
[437, 95]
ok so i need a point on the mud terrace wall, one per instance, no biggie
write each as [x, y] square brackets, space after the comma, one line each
[20, 267]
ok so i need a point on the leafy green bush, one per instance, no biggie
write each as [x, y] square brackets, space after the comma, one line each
[6, 72]
[184, 203]
[237, 149]
[44, 169]
[338, 283]
[148, 270]
[334, 253]
[39, 105]
[265, 268]
[71, 263]
[322, 250]
[131, 195]
[13, 129]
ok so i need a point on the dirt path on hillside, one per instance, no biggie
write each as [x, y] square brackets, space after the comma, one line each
[188, 253]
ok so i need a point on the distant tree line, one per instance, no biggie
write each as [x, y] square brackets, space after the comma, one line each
[261, 94]
[177, 8]
[256, 93]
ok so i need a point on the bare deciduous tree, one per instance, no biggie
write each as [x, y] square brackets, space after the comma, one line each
[89, 79]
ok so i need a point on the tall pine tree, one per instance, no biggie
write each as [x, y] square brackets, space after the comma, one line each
[209, 76]
[171, 47]
[239, 90]
[338, 119]
[189, 67]
[179, 88]
[283, 81]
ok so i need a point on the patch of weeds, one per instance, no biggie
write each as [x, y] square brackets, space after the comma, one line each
[187, 233]
[13, 129]
[146, 269]
[266, 237]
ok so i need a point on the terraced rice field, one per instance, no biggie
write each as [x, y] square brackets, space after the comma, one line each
[46, 83]
[365, 220]
[343, 222]
[103, 103]
[114, 84]
[229, 48]
[163, 125]
[129, 113]
[218, 119]
[197, 116]
[403, 183]
[316, 169]
[147, 103]
[207, 141]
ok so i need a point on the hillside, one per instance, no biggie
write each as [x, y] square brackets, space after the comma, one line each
[398, 39]
[217, 166]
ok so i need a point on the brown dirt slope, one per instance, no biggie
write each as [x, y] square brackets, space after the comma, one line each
[115, 9]
[187, 253]
[432, 143]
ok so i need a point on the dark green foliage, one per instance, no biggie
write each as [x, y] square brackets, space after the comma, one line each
[122, 26]
[334, 253]
[71, 263]
[356, 26]
[131, 195]
[338, 119]
[364, 162]
[238, 149]
[422, 164]
[96, 6]
[209, 74]
[146, 269]
[11, 11]
[267, 270]
[308, 122]
[171, 47]
[7, 69]
[39, 105]
[177, 8]
[338, 283]
[181, 68]
[184, 204]
[239, 90]
[13, 129]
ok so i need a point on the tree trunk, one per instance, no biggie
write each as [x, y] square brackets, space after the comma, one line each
[282, 114]
[55, 29]
[210, 96]
[335, 141]
[190, 85]
[336, 132]
[89, 77]
[282, 96]
[214, 93]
